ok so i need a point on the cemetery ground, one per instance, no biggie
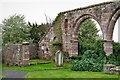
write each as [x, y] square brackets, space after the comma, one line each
[48, 69]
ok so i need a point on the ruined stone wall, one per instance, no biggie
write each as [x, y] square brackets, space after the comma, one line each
[12, 54]
[45, 45]
[16, 54]
[105, 14]
[33, 50]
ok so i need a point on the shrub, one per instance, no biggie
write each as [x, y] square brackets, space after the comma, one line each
[93, 59]
[75, 57]
[116, 48]
[86, 65]
[89, 54]
[88, 62]
[113, 59]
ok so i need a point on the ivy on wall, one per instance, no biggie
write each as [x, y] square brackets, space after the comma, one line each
[58, 32]
[57, 26]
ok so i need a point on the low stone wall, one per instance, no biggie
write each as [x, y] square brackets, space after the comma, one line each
[33, 50]
[12, 54]
[16, 54]
[47, 56]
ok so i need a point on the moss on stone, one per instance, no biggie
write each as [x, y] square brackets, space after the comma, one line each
[58, 32]
[57, 26]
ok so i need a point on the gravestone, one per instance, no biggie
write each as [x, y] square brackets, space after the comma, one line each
[59, 58]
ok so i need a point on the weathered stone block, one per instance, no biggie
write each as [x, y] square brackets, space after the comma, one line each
[107, 68]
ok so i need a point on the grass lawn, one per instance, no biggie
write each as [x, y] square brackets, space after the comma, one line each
[39, 61]
[1, 71]
[1, 76]
[68, 74]
[51, 71]
[36, 67]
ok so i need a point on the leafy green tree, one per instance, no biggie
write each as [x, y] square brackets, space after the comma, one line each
[87, 35]
[15, 29]
[37, 31]
[1, 34]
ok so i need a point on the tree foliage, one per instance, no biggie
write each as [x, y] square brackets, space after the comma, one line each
[37, 31]
[87, 35]
[88, 31]
[15, 29]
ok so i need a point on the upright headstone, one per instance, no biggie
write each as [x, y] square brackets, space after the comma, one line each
[59, 58]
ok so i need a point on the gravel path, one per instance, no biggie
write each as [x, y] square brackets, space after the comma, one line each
[14, 74]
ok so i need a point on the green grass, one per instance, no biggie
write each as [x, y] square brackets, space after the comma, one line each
[68, 74]
[51, 71]
[36, 67]
[1, 76]
[1, 71]
[37, 60]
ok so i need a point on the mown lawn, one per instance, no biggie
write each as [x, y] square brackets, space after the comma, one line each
[1, 71]
[51, 71]
[68, 74]
[37, 67]
[37, 60]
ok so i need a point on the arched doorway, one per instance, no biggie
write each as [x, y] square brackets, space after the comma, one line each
[76, 26]
[116, 32]
[88, 35]
[111, 28]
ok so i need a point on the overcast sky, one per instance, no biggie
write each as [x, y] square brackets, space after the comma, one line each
[35, 10]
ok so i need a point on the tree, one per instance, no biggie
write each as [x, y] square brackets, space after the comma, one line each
[87, 35]
[15, 29]
[1, 34]
[37, 31]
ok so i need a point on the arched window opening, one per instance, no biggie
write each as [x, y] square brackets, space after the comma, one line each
[116, 43]
[116, 33]
[89, 36]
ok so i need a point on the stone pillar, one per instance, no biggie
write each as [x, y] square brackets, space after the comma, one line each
[75, 45]
[25, 54]
[119, 30]
[64, 33]
[108, 48]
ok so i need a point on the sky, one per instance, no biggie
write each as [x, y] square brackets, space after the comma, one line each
[35, 10]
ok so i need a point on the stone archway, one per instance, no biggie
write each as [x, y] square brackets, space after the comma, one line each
[113, 20]
[109, 38]
[105, 14]
[76, 30]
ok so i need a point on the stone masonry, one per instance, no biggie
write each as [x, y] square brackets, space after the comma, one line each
[106, 14]
[16, 54]
[44, 45]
